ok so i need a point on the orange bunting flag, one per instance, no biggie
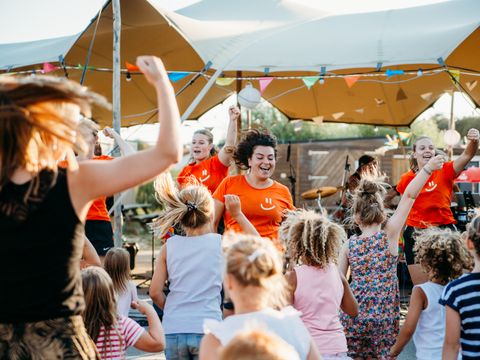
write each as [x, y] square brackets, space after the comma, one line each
[264, 82]
[131, 67]
[401, 95]
[351, 80]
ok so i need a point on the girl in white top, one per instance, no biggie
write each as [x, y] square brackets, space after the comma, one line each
[442, 256]
[117, 265]
[256, 286]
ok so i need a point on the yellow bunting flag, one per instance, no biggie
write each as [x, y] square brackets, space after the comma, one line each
[224, 81]
[455, 74]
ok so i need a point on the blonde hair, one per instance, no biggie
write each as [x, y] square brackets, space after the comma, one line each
[100, 306]
[367, 206]
[190, 207]
[38, 124]
[312, 238]
[473, 233]
[442, 254]
[258, 345]
[117, 265]
[254, 261]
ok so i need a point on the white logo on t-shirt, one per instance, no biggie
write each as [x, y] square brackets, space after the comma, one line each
[204, 173]
[431, 186]
[269, 206]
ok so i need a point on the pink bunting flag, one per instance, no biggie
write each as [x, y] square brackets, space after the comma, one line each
[264, 82]
[47, 67]
[351, 80]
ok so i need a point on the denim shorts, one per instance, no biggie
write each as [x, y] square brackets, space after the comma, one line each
[183, 346]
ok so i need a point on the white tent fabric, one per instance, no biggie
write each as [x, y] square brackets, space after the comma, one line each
[283, 36]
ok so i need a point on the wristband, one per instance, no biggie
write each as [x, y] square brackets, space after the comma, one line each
[428, 171]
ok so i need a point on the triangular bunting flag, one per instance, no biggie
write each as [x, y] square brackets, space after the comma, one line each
[401, 95]
[131, 67]
[47, 67]
[351, 80]
[404, 135]
[379, 101]
[360, 111]
[175, 76]
[426, 96]
[264, 82]
[338, 115]
[309, 81]
[224, 81]
[318, 119]
[471, 85]
[455, 74]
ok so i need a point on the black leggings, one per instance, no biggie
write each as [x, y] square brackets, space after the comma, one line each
[409, 240]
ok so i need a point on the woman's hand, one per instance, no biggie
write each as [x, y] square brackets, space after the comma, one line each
[108, 132]
[233, 205]
[435, 163]
[234, 112]
[153, 69]
[473, 135]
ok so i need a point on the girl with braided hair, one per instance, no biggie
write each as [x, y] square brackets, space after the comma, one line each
[318, 289]
[372, 257]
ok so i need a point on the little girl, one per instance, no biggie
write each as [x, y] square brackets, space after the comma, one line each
[461, 299]
[257, 288]
[442, 257]
[192, 264]
[112, 333]
[117, 265]
[372, 257]
[318, 288]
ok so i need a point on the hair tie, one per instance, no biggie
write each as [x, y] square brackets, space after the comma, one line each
[251, 258]
[191, 206]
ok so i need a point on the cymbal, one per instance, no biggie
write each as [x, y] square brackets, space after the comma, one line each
[323, 191]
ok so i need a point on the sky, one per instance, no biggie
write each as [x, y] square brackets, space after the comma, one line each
[33, 27]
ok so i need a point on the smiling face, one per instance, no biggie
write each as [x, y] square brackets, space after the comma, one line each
[424, 150]
[262, 162]
[201, 147]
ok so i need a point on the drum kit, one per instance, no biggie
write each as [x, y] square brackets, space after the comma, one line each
[319, 193]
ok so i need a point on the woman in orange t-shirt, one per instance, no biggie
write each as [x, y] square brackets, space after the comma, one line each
[263, 200]
[207, 167]
[432, 206]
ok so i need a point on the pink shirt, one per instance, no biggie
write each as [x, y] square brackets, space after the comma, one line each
[318, 297]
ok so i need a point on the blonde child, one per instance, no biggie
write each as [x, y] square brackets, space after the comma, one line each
[192, 264]
[113, 333]
[256, 285]
[258, 345]
[319, 290]
[461, 299]
[117, 265]
[442, 256]
[372, 257]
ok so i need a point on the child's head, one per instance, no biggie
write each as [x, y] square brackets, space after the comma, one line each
[442, 254]
[191, 207]
[100, 303]
[254, 262]
[367, 207]
[259, 345]
[473, 236]
[117, 265]
[312, 238]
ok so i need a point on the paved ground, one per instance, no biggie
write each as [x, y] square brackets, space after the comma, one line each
[143, 264]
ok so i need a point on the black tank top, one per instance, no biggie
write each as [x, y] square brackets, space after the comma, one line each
[40, 252]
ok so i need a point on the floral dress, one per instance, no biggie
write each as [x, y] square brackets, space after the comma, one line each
[374, 283]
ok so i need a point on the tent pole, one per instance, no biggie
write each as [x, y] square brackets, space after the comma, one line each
[201, 94]
[117, 24]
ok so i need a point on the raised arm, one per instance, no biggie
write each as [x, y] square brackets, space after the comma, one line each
[234, 207]
[95, 178]
[396, 222]
[125, 147]
[469, 152]
[226, 153]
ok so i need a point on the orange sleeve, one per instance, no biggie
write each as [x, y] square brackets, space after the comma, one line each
[221, 190]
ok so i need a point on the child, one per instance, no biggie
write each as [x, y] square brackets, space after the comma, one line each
[256, 286]
[117, 265]
[318, 288]
[192, 264]
[442, 257]
[259, 345]
[373, 257]
[112, 333]
[461, 299]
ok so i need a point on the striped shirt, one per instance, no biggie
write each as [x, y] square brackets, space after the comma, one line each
[115, 346]
[463, 296]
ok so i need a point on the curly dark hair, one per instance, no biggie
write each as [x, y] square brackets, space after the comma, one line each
[246, 146]
[473, 233]
[442, 254]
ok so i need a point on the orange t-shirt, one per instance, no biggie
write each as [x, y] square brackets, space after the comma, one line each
[432, 206]
[209, 173]
[98, 209]
[263, 207]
